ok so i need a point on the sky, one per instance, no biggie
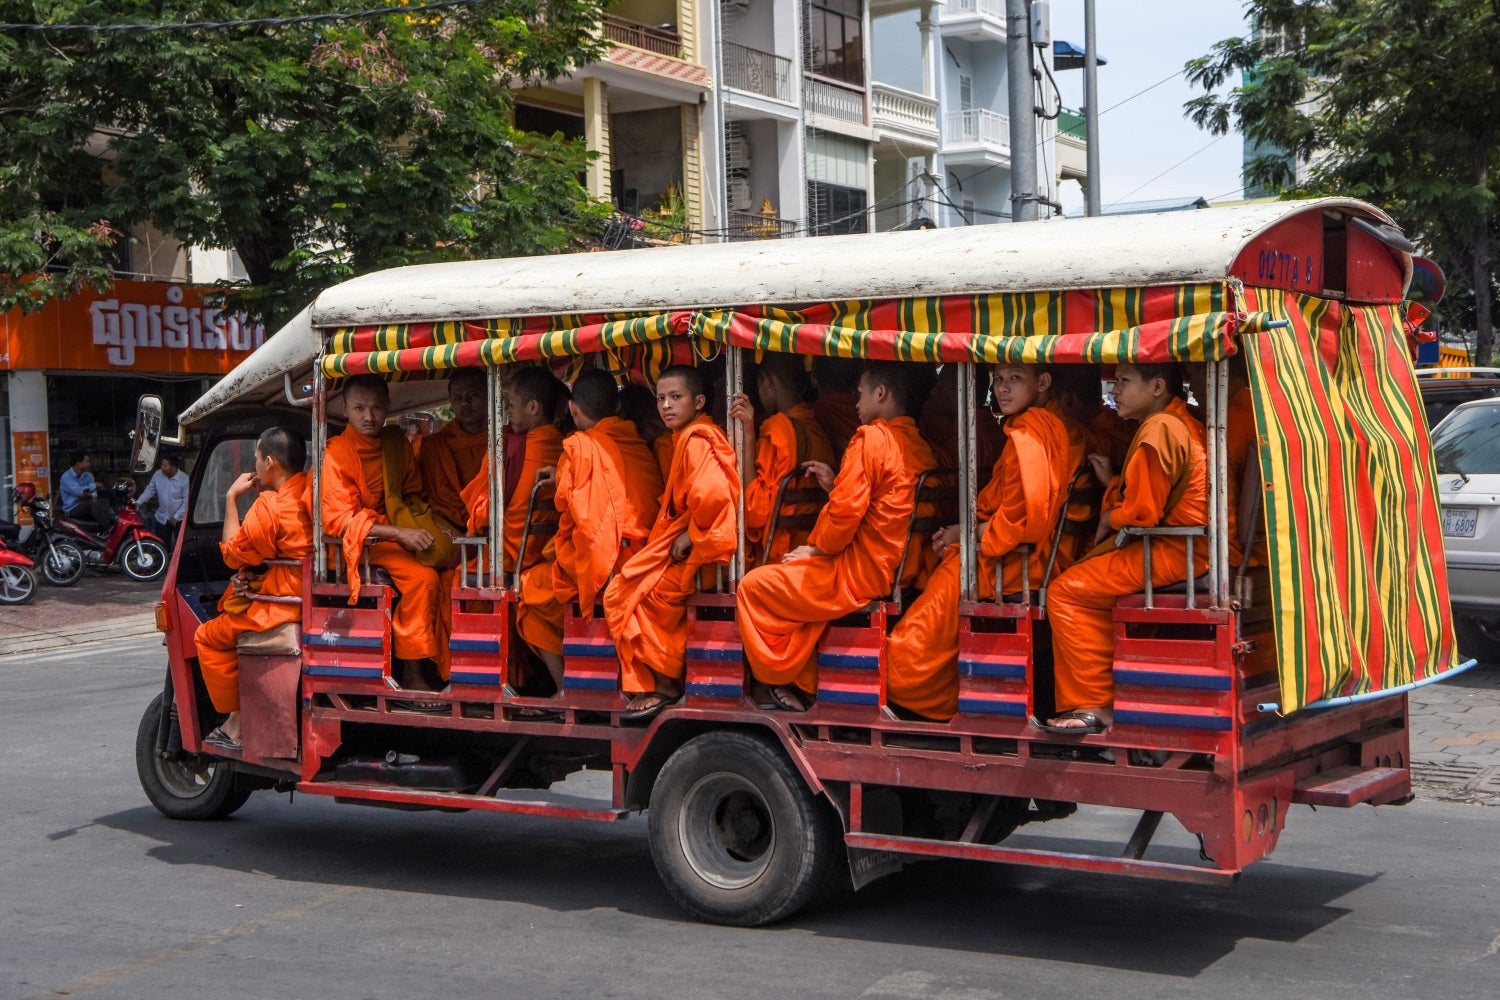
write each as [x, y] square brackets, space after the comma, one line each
[1143, 43]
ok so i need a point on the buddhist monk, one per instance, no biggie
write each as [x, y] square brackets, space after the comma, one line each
[852, 553]
[533, 397]
[837, 380]
[697, 526]
[789, 436]
[354, 509]
[451, 458]
[277, 526]
[1164, 482]
[1073, 398]
[638, 405]
[1020, 504]
[608, 487]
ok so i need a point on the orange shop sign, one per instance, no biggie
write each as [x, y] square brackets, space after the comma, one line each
[137, 326]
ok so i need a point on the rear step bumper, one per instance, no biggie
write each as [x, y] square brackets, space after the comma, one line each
[1350, 785]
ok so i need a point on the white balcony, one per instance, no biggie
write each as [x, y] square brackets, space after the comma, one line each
[904, 116]
[975, 20]
[977, 135]
[835, 107]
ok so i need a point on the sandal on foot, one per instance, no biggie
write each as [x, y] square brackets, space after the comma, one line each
[1092, 724]
[421, 706]
[527, 713]
[783, 698]
[220, 740]
[646, 706]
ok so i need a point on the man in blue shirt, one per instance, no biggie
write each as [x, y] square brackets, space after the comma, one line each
[76, 486]
[169, 485]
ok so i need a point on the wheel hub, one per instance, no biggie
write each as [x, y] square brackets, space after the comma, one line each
[726, 830]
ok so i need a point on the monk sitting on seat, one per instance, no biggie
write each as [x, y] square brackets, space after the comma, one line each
[1164, 482]
[853, 552]
[277, 526]
[837, 380]
[452, 457]
[789, 437]
[533, 396]
[1019, 505]
[608, 489]
[646, 605]
[354, 509]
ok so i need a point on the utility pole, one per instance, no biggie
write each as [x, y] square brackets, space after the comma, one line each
[1023, 196]
[1091, 110]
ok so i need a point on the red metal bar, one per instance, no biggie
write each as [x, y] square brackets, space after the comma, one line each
[1349, 785]
[454, 800]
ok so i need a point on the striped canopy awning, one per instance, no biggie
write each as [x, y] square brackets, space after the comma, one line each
[1353, 527]
[1182, 323]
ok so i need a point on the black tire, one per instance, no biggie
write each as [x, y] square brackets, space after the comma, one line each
[143, 559]
[62, 563]
[737, 836]
[193, 788]
[1476, 638]
[17, 583]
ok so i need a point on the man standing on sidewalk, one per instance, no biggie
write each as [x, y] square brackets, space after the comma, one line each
[169, 485]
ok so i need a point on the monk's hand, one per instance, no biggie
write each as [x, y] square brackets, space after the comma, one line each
[242, 484]
[240, 583]
[682, 547]
[414, 539]
[546, 472]
[1104, 530]
[1103, 468]
[944, 537]
[821, 472]
[802, 552]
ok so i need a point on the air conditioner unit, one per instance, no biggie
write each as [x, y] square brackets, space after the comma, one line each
[739, 194]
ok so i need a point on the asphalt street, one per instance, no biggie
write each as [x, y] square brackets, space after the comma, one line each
[101, 897]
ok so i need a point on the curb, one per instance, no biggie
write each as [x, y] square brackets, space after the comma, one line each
[39, 640]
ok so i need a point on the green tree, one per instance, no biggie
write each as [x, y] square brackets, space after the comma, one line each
[1393, 101]
[317, 151]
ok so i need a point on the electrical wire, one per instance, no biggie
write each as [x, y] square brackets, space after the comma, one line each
[259, 22]
[1216, 140]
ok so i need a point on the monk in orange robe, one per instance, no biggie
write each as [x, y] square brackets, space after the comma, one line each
[697, 526]
[837, 380]
[533, 397]
[277, 526]
[1164, 482]
[789, 437]
[608, 488]
[451, 458]
[1019, 505]
[852, 553]
[354, 510]
[638, 405]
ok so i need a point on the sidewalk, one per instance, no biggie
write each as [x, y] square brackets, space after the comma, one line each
[93, 608]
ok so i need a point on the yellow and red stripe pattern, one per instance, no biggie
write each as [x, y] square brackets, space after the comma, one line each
[1358, 584]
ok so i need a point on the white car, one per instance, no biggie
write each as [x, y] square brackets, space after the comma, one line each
[1467, 447]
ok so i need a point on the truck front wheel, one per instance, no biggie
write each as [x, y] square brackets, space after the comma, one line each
[737, 836]
[193, 788]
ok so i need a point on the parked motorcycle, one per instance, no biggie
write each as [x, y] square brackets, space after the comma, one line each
[49, 549]
[17, 577]
[126, 543]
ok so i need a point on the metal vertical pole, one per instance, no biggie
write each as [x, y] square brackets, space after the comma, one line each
[319, 445]
[1092, 204]
[1216, 388]
[967, 480]
[1023, 197]
[734, 382]
[497, 476]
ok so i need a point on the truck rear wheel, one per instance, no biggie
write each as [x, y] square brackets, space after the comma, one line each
[737, 836]
[193, 788]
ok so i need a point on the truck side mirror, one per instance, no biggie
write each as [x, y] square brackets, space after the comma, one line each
[146, 438]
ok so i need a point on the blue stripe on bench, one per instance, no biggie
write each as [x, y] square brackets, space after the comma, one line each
[992, 706]
[1174, 720]
[332, 640]
[1171, 679]
[329, 670]
[850, 661]
[841, 696]
[725, 654]
[488, 679]
[984, 667]
[702, 689]
[593, 650]
[475, 645]
[590, 682]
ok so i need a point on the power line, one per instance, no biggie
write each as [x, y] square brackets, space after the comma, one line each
[259, 22]
[1216, 140]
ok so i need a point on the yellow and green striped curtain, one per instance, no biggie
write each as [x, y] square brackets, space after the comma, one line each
[1353, 527]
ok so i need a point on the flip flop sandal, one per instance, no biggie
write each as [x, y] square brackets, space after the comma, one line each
[1092, 724]
[647, 706]
[785, 698]
[220, 740]
[429, 707]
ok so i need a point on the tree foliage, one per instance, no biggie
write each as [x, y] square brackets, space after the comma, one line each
[1393, 101]
[316, 151]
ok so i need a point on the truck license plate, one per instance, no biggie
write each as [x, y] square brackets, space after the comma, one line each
[1459, 522]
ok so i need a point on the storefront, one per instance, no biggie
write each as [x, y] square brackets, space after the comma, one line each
[74, 370]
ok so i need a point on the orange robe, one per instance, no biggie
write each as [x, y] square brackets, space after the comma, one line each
[786, 440]
[1239, 436]
[784, 608]
[353, 503]
[1019, 505]
[544, 446]
[662, 448]
[1113, 434]
[608, 488]
[646, 604]
[448, 461]
[277, 526]
[836, 413]
[1164, 482]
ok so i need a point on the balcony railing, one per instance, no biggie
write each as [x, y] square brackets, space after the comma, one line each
[902, 109]
[757, 72]
[755, 226]
[989, 8]
[833, 100]
[662, 41]
[977, 126]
